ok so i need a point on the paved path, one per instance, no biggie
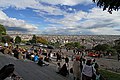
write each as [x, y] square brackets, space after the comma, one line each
[109, 64]
[30, 70]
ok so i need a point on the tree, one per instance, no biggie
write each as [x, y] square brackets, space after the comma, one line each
[73, 45]
[69, 45]
[76, 44]
[55, 44]
[41, 40]
[34, 39]
[2, 30]
[108, 4]
[6, 38]
[117, 42]
[17, 39]
[102, 47]
[117, 45]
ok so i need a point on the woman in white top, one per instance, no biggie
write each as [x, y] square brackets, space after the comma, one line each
[87, 71]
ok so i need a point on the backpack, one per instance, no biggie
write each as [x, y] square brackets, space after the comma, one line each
[6, 71]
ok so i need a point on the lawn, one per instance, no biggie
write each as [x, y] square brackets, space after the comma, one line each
[110, 75]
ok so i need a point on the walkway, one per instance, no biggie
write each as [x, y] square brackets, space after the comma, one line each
[30, 70]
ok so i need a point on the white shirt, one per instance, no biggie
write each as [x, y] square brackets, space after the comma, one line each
[87, 70]
[6, 44]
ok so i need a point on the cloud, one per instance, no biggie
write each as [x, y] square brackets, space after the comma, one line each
[95, 21]
[106, 31]
[15, 24]
[36, 5]
[49, 10]
[67, 2]
[19, 4]
[66, 31]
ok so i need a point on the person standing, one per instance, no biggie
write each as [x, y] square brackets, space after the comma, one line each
[76, 69]
[87, 71]
[66, 60]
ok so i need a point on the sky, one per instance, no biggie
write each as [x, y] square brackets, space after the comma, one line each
[58, 17]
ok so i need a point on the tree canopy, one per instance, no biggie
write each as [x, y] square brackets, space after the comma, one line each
[73, 45]
[2, 30]
[101, 47]
[110, 5]
[34, 39]
[117, 45]
[56, 44]
[6, 38]
[17, 39]
[41, 40]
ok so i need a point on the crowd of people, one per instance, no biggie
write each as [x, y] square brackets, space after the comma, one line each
[82, 68]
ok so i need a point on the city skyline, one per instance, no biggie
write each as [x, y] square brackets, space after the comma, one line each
[58, 17]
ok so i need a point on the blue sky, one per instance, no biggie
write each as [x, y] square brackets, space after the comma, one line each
[60, 17]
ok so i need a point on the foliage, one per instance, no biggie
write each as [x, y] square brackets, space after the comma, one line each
[24, 41]
[6, 38]
[69, 45]
[117, 45]
[73, 45]
[105, 47]
[34, 39]
[117, 42]
[112, 50]
[101, 47]
[17, 39]
[110, 75]
[108, 4]
[2, 30]
[41, 40]
[82, 47]
[76, 44]
[56, 44]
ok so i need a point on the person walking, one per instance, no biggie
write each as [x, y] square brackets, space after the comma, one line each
[76, 69]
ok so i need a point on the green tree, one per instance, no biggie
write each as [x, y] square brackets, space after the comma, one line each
[2, 30]
[76, 44]
[73, 45]
[34, 39]
[117, 45]
[24, 41]
[117, 42]
[41, 40]
[6, 38]
[112, 50]
[17, 39]
[102, 47]
[69, 45]
[108, 4]
[55, 44]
